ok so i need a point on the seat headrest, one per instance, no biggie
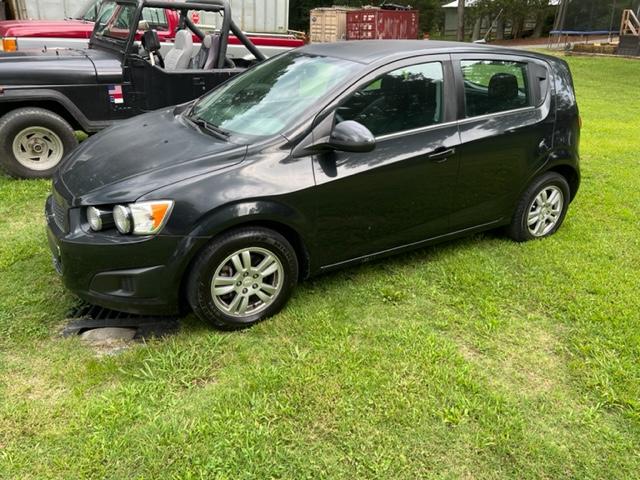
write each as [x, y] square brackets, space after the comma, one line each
[150, 41]
[503, 86]
[184, 40]
[390, 84]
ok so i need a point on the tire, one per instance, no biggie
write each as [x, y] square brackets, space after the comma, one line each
[551, 209]
[222, 306]
[33, 141]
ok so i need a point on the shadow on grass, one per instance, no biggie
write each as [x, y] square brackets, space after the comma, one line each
[323, 283]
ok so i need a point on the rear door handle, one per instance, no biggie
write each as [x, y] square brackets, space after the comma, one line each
[441, 154]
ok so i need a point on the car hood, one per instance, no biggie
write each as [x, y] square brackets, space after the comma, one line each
[140, 155]
[46, 28]
[50, 67]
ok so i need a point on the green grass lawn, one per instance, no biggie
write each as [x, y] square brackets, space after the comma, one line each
[480, 358]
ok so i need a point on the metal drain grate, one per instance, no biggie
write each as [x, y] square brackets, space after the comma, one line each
[86, 317]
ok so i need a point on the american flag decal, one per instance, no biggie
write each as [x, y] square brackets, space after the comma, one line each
[115, 94]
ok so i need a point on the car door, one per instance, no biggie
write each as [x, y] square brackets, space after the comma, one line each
[506, 131]
[400, 192]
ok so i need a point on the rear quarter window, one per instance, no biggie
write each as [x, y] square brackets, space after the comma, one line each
[492, 86]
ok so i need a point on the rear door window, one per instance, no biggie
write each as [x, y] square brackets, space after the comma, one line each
[492, 86]
[404, 99]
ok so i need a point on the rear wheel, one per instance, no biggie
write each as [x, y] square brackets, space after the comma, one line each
[541, 209]
[33, 141]
[242, 277]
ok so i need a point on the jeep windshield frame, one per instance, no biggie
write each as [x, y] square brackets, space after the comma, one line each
[116, 25]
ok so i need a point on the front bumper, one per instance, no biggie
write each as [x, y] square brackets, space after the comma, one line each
[140, 275]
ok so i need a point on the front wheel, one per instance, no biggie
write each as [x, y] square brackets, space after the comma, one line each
[33, 141]
[541, 209]
[242, 277]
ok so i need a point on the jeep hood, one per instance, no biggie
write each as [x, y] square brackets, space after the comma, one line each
[50, 67]
[140, 155]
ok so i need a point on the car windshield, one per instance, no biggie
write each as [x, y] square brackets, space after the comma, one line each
[88, 11]
[268, 98]
[114, 21]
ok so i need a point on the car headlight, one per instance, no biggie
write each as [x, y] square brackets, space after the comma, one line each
[142, 218]
[122, 218]
[99, 218]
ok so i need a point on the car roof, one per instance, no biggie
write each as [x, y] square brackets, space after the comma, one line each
[370, 51]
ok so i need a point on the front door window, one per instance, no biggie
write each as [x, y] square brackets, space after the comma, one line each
[408, 98]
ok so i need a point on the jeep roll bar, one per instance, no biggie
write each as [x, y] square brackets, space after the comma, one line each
[227, 24]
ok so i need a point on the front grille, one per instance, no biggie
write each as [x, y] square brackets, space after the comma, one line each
[60, 215]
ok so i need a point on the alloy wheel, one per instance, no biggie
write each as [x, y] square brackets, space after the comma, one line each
[247, 282]
[545, 211]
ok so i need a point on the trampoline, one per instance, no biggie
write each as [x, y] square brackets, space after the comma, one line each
[556, 36]
[581, 20]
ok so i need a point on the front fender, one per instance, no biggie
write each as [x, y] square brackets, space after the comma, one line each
[14, 97]
[272, 214]
[256, 211]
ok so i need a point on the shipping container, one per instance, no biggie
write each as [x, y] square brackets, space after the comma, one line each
[328, 24]
[380, 24]
[259, 16]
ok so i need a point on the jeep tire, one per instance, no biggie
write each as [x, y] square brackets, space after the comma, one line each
[33, 142]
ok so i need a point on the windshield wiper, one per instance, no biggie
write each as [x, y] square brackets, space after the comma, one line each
[209, 126]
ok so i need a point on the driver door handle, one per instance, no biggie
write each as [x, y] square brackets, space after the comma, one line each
[441, 154]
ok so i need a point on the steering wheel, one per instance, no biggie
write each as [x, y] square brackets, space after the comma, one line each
[373, 110]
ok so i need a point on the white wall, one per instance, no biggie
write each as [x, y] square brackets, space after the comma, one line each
[48, 9]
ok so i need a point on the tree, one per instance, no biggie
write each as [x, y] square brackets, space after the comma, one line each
[460, 33]
[516, 12]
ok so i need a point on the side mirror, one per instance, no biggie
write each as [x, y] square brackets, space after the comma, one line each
[350, 136]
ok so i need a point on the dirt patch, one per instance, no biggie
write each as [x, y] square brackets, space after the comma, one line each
[527, 361]
[29, 383]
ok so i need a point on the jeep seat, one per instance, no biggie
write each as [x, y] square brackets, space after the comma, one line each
[151, 45]
[207, 57]
[179, 56]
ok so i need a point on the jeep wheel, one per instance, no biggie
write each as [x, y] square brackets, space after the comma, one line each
[242, 277]
[33, 141]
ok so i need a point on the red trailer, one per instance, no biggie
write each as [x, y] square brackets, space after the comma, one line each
[377, 24]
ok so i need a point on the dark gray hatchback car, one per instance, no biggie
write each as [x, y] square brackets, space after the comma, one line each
[319, 158]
